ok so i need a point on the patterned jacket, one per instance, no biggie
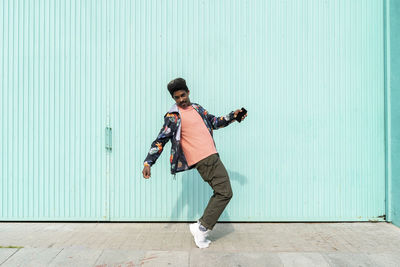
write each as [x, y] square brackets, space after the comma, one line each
[172, 130]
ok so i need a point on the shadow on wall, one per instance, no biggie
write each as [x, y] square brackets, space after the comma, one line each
[194, 198]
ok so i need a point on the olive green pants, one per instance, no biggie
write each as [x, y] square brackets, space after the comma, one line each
[214, 173]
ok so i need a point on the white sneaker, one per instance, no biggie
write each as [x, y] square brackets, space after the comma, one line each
[200, 237]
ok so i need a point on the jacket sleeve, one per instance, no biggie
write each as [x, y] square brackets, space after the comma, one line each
[157, 146]
[219, 122]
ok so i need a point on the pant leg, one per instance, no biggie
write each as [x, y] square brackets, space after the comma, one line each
[213, 172]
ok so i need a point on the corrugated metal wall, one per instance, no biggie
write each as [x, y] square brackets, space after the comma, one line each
[53, 110]
[310, 73]
[393, 109]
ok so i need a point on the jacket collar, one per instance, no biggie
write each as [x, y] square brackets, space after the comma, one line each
[175, 109]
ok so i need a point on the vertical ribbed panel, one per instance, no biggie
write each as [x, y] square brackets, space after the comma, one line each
[53, 84]
[393, 109]
[309, 72]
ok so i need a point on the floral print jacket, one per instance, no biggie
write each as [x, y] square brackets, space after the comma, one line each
[172, 130]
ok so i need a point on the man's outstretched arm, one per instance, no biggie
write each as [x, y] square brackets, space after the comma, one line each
[220, 122]
[157, 147]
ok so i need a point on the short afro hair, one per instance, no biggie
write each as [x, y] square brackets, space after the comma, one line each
[176, 85]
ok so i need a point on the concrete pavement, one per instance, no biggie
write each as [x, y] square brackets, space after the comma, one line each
[171, 244]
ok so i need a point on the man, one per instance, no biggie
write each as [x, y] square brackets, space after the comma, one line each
[190, 128]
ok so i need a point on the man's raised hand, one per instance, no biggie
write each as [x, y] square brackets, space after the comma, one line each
[237, 112]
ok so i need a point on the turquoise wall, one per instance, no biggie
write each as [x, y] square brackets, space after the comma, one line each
[394, 108]
[310, 73]
[53, 104]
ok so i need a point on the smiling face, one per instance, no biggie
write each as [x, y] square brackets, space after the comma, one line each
[181, 98]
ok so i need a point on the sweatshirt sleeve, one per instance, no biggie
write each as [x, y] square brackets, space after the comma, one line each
[158, 144]
[219, 122]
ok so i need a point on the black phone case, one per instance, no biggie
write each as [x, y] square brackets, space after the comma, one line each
[241, 114]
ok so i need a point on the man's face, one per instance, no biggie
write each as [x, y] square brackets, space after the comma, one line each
[181, 98]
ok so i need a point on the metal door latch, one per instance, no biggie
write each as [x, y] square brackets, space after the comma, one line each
[108, 138]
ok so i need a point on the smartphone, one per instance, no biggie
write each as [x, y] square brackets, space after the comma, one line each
[241, 114]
